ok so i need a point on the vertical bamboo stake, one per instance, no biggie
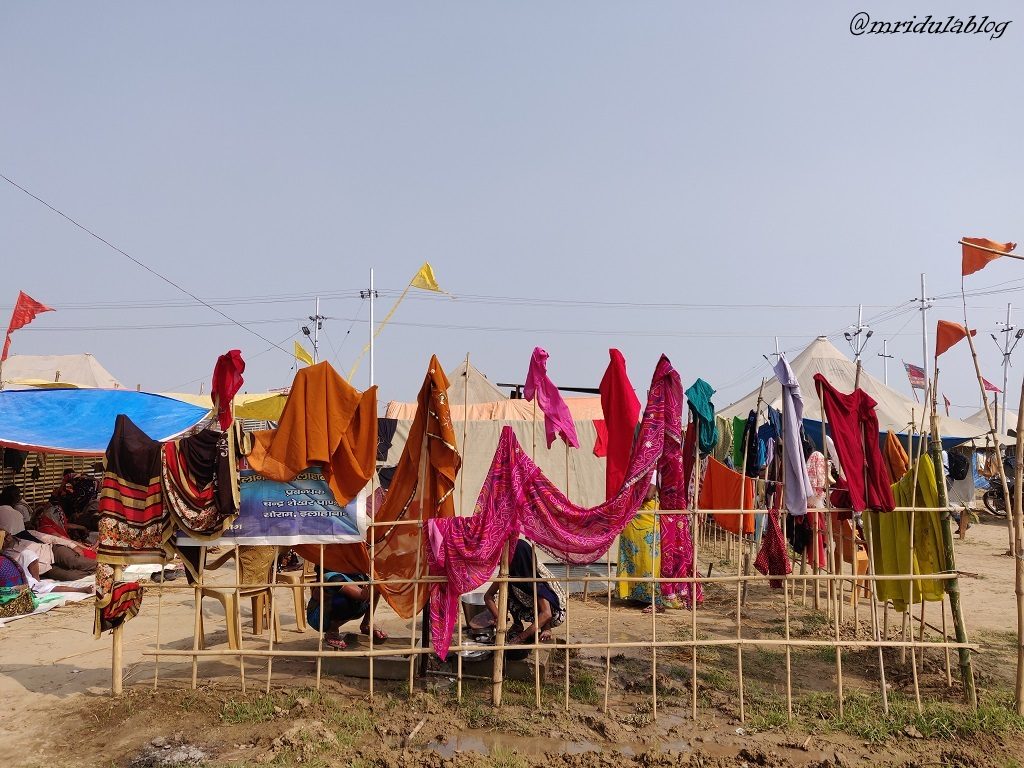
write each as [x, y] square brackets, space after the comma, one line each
[740, 560]
[237, 618]
[320, 614]
[1018, 525]
[117, 647]
[159, 610]
[786, 582]
[836, 569]
[945, 639]
[873, 586]
[424, 499]
[498, 674]
[271, 618]
[608, 631]
[536, 606]
[654, 624]
[197, 624]
[695, 574]
[373, 617]
[462, 498]
[567, 635]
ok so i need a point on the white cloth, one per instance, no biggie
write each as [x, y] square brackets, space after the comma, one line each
[797, 484]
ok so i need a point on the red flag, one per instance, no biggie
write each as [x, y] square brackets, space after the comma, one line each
[978, 252]
[947, 334]
[24, 313]
[989, 386]
[946, 399]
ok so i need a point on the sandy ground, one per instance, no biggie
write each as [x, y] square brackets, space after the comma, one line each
[55, 678]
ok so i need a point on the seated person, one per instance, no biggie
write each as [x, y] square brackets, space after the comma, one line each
[550, 607]
[344, 603]
[53, 520]
[24, 555]
[11, 496]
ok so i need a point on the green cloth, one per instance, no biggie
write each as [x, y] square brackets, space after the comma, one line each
[890, 532]
[738, 425]
[703, 412]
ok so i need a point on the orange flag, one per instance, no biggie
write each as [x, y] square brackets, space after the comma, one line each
[975, 258]
[947, 334]
[24, 313]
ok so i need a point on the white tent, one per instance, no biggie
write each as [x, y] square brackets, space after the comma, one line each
[895, 411]
[82, 370]
[489, 410]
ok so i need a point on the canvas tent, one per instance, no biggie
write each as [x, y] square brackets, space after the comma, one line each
[488, 411]
[82, 370]
[979, 418]
[252, 406]
[894, 410]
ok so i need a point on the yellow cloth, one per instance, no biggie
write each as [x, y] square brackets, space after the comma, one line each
[302, 354]
[890, 532]
[326, 423]
[639, 554]
[425, 280]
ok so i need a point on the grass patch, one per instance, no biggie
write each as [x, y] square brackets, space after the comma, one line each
[716, 679]
[583, 688]
[506, 758]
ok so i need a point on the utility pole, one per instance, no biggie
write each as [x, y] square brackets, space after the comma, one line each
[1007, 349]
[857, 337]
[318, 323]
[371, 295]
[924, 331]
[886, 357]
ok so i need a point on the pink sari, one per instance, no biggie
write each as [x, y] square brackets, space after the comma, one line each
[517, 498]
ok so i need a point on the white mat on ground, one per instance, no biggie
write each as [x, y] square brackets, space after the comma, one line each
[48, 602]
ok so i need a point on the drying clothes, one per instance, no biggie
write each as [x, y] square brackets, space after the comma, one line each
[385, 436]
[766, 437]
[852, 419]
[517, 498]
[896, 457]
[751, 451]
[640, 555]
[621, 410]
[677, 558]
[123, 603]
[326, 423]
[200, 482]
[702, 410]
[557, 419]
[395, 548]
[817, 474]
[689, 457]
[227, 380]
[796, 486]
[739, 425]
[891, 540]
[772, 558]
[723, 448]
[774, 420]
[721, 489]
[133, 523]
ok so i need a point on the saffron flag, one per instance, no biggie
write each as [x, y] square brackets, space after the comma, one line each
[947, 334]
[557, 419]
[978, 252]
[425, 280]
[25, 311]
[989, 386]
[916, 376]
[302, 354]
[946, 400]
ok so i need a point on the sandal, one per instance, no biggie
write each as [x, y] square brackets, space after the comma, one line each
[379, 635]
[649, 609]
[335, 641]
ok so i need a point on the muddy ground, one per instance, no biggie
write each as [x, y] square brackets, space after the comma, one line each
[56, 708]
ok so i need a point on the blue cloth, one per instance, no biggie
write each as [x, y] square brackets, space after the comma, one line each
[81, 421]
[979, 481]
[702, 409]
[340, 607]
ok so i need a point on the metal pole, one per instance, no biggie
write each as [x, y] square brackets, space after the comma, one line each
[372, 293]
[886, 357]
[316, 332]
[924, 329]
[1006, 365]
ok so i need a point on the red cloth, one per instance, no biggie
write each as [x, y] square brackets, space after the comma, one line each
[975, 258]
[227, 380]
[772, 558]
[721, 489]
[849, 416]
[601, 443]
[25, 311]
[621, 413]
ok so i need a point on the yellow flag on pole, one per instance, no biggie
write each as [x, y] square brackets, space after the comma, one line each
[425, 279]
[302, 354]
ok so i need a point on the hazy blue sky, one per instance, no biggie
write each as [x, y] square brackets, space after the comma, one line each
[752, 156]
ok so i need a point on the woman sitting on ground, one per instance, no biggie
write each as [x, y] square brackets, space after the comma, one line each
[550, 605]
[345, 603]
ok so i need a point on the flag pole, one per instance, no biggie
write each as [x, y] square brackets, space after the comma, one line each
[991, 250]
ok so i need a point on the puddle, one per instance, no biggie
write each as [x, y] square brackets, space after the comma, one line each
[484, 742]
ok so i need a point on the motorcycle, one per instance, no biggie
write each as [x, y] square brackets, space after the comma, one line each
[994, 500]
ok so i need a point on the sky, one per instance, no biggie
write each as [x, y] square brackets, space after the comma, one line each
[658, 177]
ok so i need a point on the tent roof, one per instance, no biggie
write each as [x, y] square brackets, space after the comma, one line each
[82, 370]
[481, 390]
[81, 421]
[979, 418]
[821, 356]
[259, 406]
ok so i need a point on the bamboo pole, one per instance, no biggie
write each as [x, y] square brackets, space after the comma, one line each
[159, 613]
[197, 621]
[567, 597]
[462, 498]
[498, 673]
[320, 613]
[874, 596]
[423, 495]
[372, 590]
[536, 606]
[742, 563]
[237, 618]
[836, 571]
[1018, 526]
[117, 647]
[949, 673]
[695, 572]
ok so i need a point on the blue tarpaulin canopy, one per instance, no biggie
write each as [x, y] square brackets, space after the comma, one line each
[81, 421]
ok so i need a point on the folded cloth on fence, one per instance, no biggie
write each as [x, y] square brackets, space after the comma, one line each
[854, 426]
[621, 409]
[797, 486]
[773, 558]
[396, 548]
[890, 539]
[122, 604]
[517, 498]
[326, 423]
[134, 524]
[557, 419]
[721, 489]
[199, 475]
[895, 457]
